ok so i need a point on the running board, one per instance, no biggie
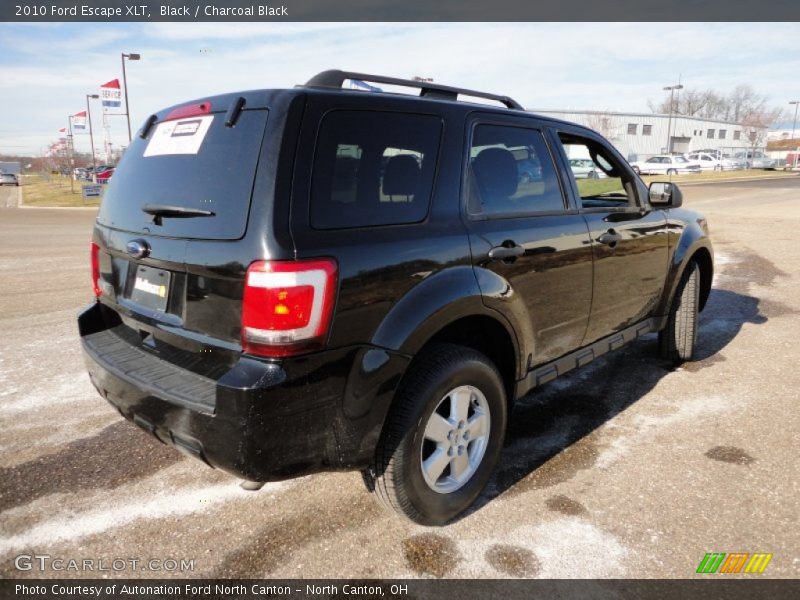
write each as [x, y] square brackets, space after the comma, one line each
[550, 371]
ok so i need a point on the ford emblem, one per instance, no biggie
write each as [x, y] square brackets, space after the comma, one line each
[138, 248]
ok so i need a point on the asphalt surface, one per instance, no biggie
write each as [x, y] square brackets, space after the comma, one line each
[625, 469]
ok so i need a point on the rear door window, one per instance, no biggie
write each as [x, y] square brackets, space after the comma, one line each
[373, 169]
[511, 173]
[195, 162]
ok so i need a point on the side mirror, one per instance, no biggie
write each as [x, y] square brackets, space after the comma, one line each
[665, 194]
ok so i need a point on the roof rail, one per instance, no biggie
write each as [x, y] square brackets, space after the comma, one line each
[335, 78]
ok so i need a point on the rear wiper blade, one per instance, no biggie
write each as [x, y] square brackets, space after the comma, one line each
[159, 211]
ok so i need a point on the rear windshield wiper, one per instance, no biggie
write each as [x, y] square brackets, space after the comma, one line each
[159, 211]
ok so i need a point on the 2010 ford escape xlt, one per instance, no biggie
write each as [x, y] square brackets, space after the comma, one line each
[296, 280]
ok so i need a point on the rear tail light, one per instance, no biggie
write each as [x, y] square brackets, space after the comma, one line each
[95, 253]
[287, 306]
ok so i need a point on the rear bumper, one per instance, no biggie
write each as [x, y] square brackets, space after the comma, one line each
[261, 420]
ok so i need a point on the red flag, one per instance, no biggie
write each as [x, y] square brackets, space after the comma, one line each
[79, 120]
[110, 94]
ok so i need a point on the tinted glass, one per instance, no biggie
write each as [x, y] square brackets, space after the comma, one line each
[195, 163]
[373, 168]
[606, 185]
[511, 173]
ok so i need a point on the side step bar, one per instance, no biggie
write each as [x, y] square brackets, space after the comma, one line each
[549, 371]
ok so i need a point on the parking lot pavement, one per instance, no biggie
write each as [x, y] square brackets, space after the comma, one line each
[625, 469]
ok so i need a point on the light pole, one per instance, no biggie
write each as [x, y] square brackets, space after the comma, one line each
[794, 123]
[71, 160]
[91, 133]
[671, 89]
[131, 56]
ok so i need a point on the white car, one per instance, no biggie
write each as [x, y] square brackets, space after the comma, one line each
[665, 165]
[584, 168]
[707, 162]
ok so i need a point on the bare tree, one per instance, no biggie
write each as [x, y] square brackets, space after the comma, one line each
[756, 124]
[602, 123]
[740, 105]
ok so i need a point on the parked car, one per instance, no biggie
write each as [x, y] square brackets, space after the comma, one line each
[528, 170]
[759, 160]
[9, 179]
[275, 303]
[707, 162]
[584, 168]
[105, 175]
[665, 165]
[735, 162]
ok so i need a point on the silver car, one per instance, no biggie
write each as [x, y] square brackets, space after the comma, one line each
[8, 179]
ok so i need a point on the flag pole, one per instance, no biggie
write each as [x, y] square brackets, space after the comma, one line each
[71, 158]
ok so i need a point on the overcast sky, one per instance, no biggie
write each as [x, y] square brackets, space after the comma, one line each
[46, 69]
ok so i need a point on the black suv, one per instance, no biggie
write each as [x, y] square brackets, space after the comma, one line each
[318, 278]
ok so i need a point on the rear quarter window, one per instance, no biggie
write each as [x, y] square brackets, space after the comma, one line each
[373, 168]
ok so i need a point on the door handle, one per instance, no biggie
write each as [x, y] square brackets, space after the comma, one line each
[508, 251]
[610, 238]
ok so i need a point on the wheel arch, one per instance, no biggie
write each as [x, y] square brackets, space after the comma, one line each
[691, 249]
[702, 256]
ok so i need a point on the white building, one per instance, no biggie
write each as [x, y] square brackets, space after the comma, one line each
[638, 135]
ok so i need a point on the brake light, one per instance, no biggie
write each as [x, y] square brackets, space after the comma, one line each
[287, 306]
[189, 110]
[95, 254]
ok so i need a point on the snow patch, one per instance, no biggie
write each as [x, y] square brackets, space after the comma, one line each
[70, 527]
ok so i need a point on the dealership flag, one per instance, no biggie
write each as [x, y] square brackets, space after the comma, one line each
[110, 94]
[62, 133]
[79, 120]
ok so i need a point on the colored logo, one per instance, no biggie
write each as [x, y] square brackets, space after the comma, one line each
[736, 562]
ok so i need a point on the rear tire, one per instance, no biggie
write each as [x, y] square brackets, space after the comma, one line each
[442, 437]
[678, 339]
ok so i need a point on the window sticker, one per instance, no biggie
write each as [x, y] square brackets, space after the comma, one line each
[183, 136]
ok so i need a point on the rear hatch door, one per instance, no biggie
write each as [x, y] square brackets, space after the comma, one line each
[184, 184]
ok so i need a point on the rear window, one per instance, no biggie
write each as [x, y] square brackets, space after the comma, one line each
[373, 168]
[194, 162]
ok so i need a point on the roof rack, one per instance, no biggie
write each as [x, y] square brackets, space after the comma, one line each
[335, 78]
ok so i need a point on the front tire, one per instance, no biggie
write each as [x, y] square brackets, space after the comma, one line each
[678, 339]
[672, 172]
[442, 437]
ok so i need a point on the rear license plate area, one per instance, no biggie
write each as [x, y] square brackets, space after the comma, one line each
[151, 288]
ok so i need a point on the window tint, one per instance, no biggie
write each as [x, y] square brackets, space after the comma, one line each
[373, 168]
[607, 185]
[216, 175]
[511, 172]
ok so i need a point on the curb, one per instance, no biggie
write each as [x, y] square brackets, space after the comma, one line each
[735, 179]
[58, 207]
